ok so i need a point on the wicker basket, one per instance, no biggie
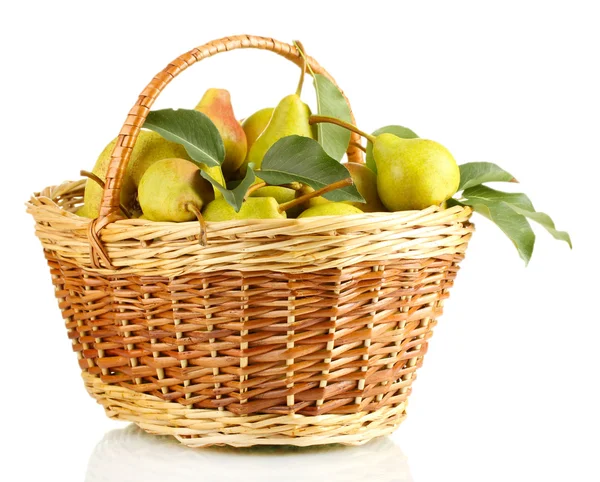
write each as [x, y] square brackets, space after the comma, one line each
[295, 331]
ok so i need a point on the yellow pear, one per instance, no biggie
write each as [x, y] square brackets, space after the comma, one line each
[252, 208]
[290, 117]
[413, 173]
[365, 181]
[282, 195]
[149, 148]
[330, 209]
[255, 124]
[170, 187]
[216, 105]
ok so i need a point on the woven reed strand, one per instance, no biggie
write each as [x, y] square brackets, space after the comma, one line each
[305, 316]
[201, 427]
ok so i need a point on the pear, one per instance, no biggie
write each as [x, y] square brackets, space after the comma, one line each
[149, 148]
[290, 117]
[268, 207]
[173, 190]
[252, 208]
[282, 195]
[255, 124]
[217, 174]
[330, 209]
[216, 104]
[313, 201]
[365, 181]
[84, 212]
[279, 193]
[413, 173]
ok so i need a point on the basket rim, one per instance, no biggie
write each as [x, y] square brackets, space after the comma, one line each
[53, 192]
[149, 248]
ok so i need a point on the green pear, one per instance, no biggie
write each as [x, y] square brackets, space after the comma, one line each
[279, 193]
[172, 189]
[87, 212]
[149, 148]
[413, 173]
[255, 124]
[313, 201]
[290, 117]
[217, 174]
[216, 105]
[282, 195]
[84, 212]
[330, 209]
[365, 181]
[252, 208]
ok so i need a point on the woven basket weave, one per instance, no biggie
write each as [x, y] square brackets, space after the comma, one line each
[293, 331]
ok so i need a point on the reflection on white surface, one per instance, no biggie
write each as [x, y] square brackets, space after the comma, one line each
[130, 454]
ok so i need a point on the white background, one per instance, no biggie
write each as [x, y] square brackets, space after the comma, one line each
[509, 388]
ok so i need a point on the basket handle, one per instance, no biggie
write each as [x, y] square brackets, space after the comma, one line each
[109, 208]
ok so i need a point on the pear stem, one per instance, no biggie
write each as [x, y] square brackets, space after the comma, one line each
[296, 186]
[300, 48]
[358, 145]
[191, 207]
[254, 187]
[100, 182]
[315, 119]
[324, 190]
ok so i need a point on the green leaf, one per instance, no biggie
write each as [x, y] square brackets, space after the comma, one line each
[474, 173]
[234, 196]
[403, 132]
[301, 159]
[193, 130]
[514, 225]
[510, 212]
[331, 103]
[488, 195]
[545, 221]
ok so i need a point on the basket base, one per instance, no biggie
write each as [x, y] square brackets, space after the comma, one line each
[196, 427]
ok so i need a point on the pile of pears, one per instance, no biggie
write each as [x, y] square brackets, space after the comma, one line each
[162, 183]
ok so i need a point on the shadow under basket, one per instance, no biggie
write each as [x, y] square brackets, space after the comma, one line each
[290, 331]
